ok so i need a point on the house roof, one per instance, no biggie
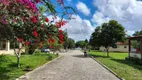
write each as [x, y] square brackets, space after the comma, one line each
[135, 37]
[122, 43]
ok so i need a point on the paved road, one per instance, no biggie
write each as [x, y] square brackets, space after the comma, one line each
[73, 66]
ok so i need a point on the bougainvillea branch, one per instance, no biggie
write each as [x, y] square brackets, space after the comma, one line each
[21, 21]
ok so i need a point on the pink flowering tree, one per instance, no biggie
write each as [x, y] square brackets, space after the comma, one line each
[21, 21]
[18, 16]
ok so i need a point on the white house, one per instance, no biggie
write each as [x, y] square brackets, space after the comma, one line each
[5, 47]
[121, 47]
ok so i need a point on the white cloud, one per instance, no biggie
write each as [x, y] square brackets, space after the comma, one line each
[130, 32]
[99, 18]
[83, 8]
[126, 12]
[78, 29]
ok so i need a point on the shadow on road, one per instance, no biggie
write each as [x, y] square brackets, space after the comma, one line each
[79, 56]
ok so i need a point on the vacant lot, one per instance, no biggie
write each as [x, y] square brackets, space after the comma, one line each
[116, 62]
[8, 66]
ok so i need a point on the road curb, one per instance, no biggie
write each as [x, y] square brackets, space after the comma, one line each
[23, 77]
[107, 68]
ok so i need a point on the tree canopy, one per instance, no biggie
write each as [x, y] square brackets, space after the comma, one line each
[24, 21]
[71, 43]
[95, 38]
[138, 33]
[108, 34]
[81, 44]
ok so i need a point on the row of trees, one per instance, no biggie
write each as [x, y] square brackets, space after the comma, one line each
[83, 44]
[23, 21]
[107, 35]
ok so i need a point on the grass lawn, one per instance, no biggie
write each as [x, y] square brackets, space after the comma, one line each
[117, 63]
[9, 71]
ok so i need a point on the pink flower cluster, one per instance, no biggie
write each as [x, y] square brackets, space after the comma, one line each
[3, 21]
[29, 4]
[34, 19]
[60, 23]
[61, 36]
[5, 2]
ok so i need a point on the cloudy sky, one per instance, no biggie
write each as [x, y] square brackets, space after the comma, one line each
[92, 13]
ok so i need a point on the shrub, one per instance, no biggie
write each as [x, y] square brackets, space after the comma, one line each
[3, 58]
[28, 68]
[49, 57]
[37, 52]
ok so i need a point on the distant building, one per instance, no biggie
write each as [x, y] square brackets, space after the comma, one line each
[120, 47]
[5, 47]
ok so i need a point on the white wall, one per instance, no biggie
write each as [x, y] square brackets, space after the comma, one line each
[120, 48]
[135, 55]
[11, 51]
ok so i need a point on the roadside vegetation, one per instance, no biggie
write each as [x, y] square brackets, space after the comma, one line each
[8, 64]
[126, 69]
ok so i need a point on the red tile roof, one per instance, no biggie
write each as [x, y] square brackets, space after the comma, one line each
[121, 43]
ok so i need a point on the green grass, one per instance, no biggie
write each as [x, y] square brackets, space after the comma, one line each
[8, 66]
[117, 63]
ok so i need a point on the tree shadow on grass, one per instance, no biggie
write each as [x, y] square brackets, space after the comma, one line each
[8, 68]
[99, 56]
[4, 73]
[12, 65]
[7, 72]
[129, 63]
[4, 70]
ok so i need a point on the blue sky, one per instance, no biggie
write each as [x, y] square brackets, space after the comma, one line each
[92, 13]
[89, 4]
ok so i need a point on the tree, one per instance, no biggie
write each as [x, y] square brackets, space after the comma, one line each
[136, 43]
[19, 22]
[86, 43]
[25, 24]
[111, 33]
[137, 33]
[65, 40]
[95, 38]
[71, 43]
[81, 44]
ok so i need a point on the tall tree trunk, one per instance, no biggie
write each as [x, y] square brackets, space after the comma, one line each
[107, 53]
[18, 55]
[107, 50]
[18, 62]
